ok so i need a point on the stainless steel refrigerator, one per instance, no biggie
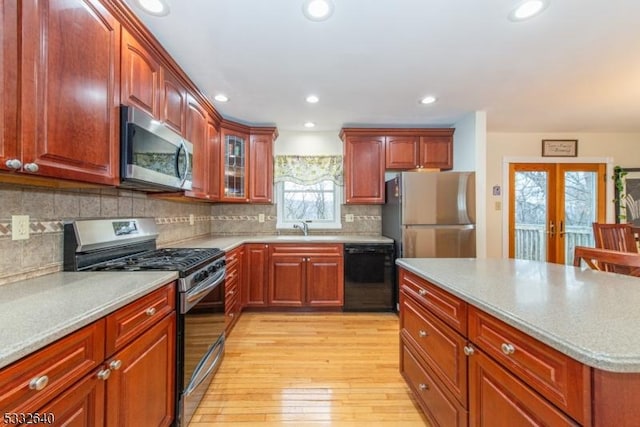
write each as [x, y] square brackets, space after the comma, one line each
[431, 214]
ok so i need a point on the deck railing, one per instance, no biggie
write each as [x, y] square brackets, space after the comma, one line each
[531, 241]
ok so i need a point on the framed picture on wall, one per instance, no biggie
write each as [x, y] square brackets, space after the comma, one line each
[628, 196]
[559, 148]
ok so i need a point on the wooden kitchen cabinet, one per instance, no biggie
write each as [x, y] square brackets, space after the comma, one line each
[436, 150]
[233, 285]
[9, 148]
[254, 293]
[402, 152]
[420, 148]
[65, 133]
[235, 162]
[364, 165]
[214, 157]
[141, 76]
[117, 371]
[306, 275]
[173, 102]
[261, 163]
[196, 133]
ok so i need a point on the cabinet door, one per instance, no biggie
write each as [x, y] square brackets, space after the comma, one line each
[261, 176]
[401, 152]
[257, 275]
[173, 102]
[81, 405]
[364, 170]
[69, 97]
[436, 152]
[235, 160]
[140, 76]
[325, 281]
[498, 399]
[9, 149]
[141, 392]
[196, 133]
[213, 168]
[286, 281]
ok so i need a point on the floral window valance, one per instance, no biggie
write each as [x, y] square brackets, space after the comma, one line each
[308, 170]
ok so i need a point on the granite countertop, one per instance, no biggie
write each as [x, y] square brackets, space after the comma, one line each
[588, 315]
[227, 243]
[36, 312]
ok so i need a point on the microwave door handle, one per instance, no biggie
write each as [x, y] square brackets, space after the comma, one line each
[187, 165]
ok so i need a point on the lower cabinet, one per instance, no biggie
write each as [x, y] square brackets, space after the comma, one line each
[256, 268]
[117, 371]
[306, 275]
[232, 287]
[467, 368]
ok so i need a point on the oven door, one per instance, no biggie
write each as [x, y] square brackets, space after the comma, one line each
[153, 156]
[202, 347]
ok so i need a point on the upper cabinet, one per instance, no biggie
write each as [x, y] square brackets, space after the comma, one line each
[69, 90]
[140, 76]
[364, 160]
[247, 163]
[9, 149]
[196, 133]
[173, 102]
[213, 169]
[420, 148]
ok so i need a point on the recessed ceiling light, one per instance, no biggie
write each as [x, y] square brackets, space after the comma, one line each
[317, 10]
[312, 99]
[527, 9]
[154, 7]
[428, 100]
[309, 124]
[221, 98]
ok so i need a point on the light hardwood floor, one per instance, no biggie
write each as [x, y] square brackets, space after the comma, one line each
[309, 369]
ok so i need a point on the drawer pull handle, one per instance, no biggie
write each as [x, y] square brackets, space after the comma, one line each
[31, 167]
[422, 292]
[508, 348]
[104, 374]
[150, 311]
[468, 350]
[39, 383]
[13, 164]
[422, 333]
[423, 387]
[115, 364]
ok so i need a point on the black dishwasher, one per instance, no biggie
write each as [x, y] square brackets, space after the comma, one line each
[368, 277]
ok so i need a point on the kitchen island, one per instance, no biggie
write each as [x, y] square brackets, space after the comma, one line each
[530, 342]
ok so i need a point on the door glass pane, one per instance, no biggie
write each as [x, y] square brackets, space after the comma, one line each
[580, 210]
[531, 215]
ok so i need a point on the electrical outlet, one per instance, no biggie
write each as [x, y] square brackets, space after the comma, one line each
[260, 217]
[19, 227]
[497, 205]
[192, 219]
[348, 217]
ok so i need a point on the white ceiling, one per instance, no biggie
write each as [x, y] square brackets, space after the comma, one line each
[574, 68]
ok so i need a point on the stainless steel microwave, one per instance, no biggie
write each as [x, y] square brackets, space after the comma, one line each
[152, 156]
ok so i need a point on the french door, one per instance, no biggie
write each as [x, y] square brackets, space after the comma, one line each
[552, 207]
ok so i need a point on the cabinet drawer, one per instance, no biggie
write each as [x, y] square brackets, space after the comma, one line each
[497, 398]
[441, 409]
[232, 258]
[318, 249]
[439, 345]
[450, 309]
[562, 380]
[130, 321]
[57, 367]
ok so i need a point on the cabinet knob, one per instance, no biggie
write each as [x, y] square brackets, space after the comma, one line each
[422, 333]
[115, 364]
[104, 374]
[422, 292]
[31, 167]
[508, 348]
[423, 387]
[468, 350]
[150, 311]
[38, 383]
[13, 164]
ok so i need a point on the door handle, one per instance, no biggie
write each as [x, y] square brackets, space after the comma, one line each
[552, 229]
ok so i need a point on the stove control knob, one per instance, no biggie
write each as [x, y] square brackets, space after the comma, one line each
[212, 269]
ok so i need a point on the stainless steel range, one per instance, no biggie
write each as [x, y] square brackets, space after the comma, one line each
[129, 244]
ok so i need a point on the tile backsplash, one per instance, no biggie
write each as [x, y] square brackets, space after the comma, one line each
[49, 208]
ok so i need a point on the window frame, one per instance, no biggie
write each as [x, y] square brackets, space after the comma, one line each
[336, 224]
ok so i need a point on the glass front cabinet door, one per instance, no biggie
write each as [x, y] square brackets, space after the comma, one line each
[235, 158]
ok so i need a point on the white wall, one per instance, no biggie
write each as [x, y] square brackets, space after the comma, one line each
[469, 147]
[308, 143]
[621, 148]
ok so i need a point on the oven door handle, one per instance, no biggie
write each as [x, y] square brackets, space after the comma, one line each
[210, 361]
[197, 293]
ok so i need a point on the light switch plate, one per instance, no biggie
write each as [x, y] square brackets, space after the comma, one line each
[19, 227]
[348, 217]
[260, 217]
[192, 219]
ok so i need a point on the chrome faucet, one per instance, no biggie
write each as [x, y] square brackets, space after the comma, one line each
[304, 227]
